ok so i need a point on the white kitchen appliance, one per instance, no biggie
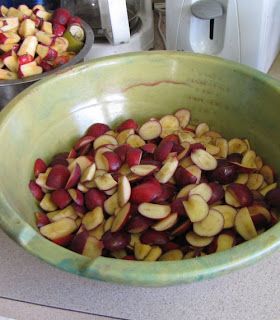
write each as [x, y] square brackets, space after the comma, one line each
[246, 31]
[119, 25]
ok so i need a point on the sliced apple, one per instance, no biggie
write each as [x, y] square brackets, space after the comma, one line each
[196, 208]
[146, 192]
[153, 237]
[68, 212]
[163, 150]
[201, 129]
[123, 135]
[108, 224]
[94, 198]
[255, 181]
[172, 255]
[266, 189]
[143, 170]
[268, 174]
[202, 189]
[154, 254]
[93, 248]
[141, 250]
[154, 211]
[61, 198]
[204, 160]
[124, 191]
[169, 124]
[112, 204]
[211, 225]
[181, 229]
[100, 162]
[222, 242]
[116, 240]
[93, 218]
[83, 162]
[166, 223]
[228, 213]
[36, 190]
[184, 116]
[89, 173]
[238, 195]
[135, 141]
[236, 145]
[249, 160]
[139, 223]
[133, 156]
[47, 203]
[197, 241]
[121, 218]
[167, 170]
[150, 130]
[244, 224]
[44, 38]
[58, 229]
[105, 182]
[260, 215]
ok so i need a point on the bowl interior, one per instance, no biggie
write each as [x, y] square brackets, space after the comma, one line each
[49, 116]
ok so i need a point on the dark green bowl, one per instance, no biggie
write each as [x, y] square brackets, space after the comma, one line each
[47, 117]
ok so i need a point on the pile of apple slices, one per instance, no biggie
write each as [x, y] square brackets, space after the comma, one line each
[32, 41]
[165, 190]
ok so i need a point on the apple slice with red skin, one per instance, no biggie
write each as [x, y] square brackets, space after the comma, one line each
[77, 196]
[116, 240]
[224, 241]
[150, 130]
[127, 124]
[124, 191]
[121, 218]
[61, 198]
[244, 224]
[197, 241]
[196, 208]
[153, 237]
[211, 225]
[99, 159]
[133, 156]
[97, 129]
[203, 159]
[218, 192]
[88, 174]
[149, 148]
[74, 178]
[85, 140]
[154, 211]
[61, 16]
[139, 223]
[260, 216]
[255, 181]
[146, 192]
[241, 193]
[36, 190]
[41, 219]
[143, 169]
[225, 172]
[83, 161]
[112, 161]
[123, 136]
[163, 150]
[58, 29]
[170, 246]
[168, 192]
[184, 192]
[93, 219]
[80, 210]
[184, 116]
[94, 198]
[178, 207]
[64, 241]
[181, 229]
[154, 254]
[79, 240]
[122, 150]
[189, 175]
[167, 170]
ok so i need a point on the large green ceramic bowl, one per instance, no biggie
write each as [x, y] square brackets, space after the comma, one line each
[47, 117]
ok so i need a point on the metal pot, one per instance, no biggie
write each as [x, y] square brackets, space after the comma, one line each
[9, 89]
[89, 11]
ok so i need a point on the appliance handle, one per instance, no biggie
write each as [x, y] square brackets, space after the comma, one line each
[114, 20]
